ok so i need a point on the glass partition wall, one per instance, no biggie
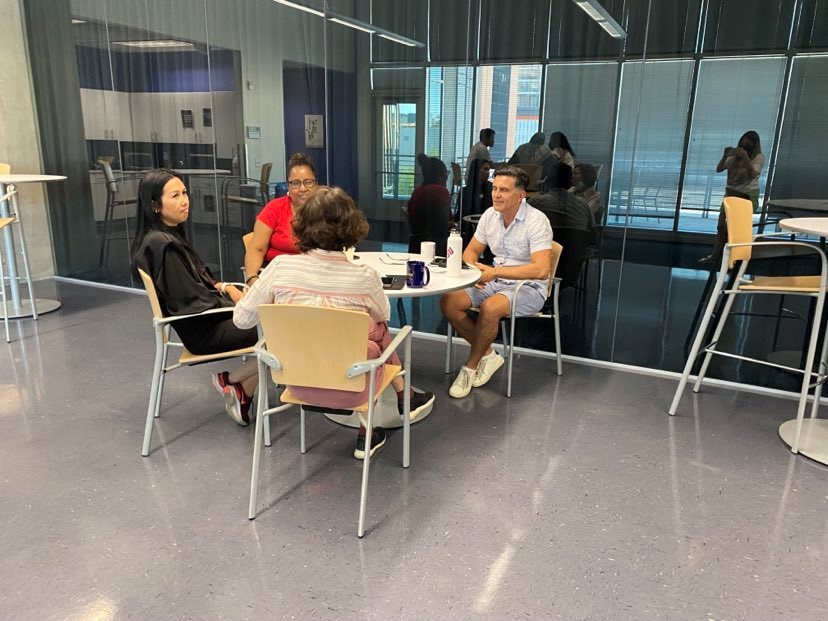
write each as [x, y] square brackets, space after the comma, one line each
[226, 92]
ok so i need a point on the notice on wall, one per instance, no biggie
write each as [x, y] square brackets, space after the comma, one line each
[314, 132]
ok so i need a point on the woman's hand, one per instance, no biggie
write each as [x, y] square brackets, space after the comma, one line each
[230, 291]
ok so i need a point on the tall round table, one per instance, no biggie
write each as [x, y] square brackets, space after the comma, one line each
[21, 308]
[394, 264]
[813, 440]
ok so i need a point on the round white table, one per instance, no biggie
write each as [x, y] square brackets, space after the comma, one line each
[811, 226]
[386, 413]
[21, 308]
[813, 440]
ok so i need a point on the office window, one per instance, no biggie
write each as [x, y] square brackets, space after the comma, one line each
[757, 26]
[448, 112]
[652, 118]
[667, 27]
[802, 160]
[580, 101]
[573, 34]
[404, 17]
[813, 26]
[508, 101]
[733, 96]
[453, 30]
[399, 136]
[526, 21]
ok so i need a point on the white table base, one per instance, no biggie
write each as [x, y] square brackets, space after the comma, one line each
[813, 441]
[386, 414]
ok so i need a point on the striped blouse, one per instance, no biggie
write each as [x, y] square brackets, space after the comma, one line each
[315, 278]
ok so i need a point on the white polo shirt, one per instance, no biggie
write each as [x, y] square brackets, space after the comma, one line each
[528, 233]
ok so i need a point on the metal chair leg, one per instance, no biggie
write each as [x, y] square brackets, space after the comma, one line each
[806, 379]
[697, 343]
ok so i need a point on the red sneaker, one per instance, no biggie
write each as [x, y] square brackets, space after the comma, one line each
[237, 404]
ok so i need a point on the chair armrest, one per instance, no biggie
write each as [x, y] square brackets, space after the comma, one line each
[266, 357]
[777, 244]
[361, 368]
[212, 311]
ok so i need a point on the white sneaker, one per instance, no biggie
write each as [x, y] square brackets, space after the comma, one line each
[463, 384]
[487, 367]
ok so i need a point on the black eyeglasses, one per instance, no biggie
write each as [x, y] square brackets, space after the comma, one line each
[296, 184]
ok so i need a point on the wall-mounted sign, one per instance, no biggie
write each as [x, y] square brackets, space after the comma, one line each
[187, 119]
[314, 132]
[207, 117]
[254, 132]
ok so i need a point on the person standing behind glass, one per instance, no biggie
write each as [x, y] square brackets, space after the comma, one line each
[273, 231]
[744, 164]
[480, 151]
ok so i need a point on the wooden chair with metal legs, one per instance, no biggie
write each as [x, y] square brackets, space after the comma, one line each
[163, 344]
[297, 351]
[552, 293]
[737, 255]
[8, 225]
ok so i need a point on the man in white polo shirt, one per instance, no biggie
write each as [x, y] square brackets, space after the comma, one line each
[520, 237]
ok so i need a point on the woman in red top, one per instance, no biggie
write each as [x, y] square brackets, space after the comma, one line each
[273, 231]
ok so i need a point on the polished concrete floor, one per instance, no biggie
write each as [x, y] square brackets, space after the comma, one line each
[578, 498]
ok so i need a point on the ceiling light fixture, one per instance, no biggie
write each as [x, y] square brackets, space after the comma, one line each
[598, 13]
[398, 39]
[153, 43]
[301, 7]
[78, 21]
[351, 24]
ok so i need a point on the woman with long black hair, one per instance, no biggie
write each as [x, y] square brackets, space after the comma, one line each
[185, 286]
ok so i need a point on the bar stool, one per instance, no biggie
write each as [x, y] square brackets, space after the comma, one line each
[112, 201]
[737, 255]
[11, 197]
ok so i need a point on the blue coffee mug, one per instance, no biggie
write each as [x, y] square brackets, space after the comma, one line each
[418, 275]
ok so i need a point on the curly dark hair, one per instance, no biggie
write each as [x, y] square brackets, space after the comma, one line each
[300, 159]
[329, 220]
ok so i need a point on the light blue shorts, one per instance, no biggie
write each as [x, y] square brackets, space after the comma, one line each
[530, 299]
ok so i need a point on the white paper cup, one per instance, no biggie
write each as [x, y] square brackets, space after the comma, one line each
[427, 250]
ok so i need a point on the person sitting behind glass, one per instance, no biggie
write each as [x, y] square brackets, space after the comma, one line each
[185, 286]
[560, 206]
[583, 186]
[533, 152]
[429, 208]
[322, 275]
[477, 195]
[273, 231]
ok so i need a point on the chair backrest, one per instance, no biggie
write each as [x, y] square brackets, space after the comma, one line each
[151, 294]
[534, 172]
[264, 180]
[456, 175]
[109, 176]
[246, 239]
[574, 244]
[739, 215]
[557, 249]
[5, 169]
[315, 345]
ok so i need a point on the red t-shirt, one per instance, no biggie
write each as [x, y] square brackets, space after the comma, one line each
[277, 215]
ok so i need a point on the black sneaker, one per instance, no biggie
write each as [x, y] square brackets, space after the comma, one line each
[419, 402]
[377, 442]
